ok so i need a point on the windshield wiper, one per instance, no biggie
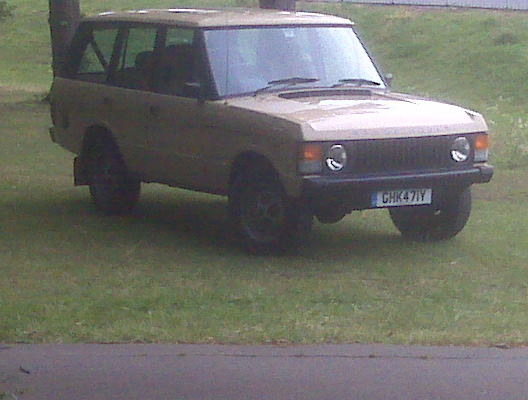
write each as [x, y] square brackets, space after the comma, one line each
[285, 82]
[356, 82]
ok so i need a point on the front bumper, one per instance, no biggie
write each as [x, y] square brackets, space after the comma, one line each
[354, 192]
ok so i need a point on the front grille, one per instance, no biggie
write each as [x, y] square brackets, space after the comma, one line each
[405, 154]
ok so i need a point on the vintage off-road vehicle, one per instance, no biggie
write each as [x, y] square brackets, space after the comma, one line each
[283, 112]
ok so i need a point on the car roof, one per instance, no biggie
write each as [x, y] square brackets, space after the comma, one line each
[233, 17]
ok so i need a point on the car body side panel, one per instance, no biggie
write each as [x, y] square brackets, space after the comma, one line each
[77, 106]
[123, 113]
[196, 142]
[174, 140]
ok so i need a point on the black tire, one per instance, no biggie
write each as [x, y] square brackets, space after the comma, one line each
[113, 189]
[441, 221]
[264, 219]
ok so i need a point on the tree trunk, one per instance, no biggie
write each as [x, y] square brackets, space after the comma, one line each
[64, 17]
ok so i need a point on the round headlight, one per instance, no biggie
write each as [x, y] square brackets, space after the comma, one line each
[460, 149]
[336, 158]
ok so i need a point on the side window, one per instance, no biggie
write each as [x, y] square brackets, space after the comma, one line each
[136, 62]
[95, 61]
[177, 63]
[179, 36]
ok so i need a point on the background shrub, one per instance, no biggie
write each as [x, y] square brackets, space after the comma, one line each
[6, 10]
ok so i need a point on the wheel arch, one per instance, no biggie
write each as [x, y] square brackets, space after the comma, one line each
[94, 134]
[254, 163]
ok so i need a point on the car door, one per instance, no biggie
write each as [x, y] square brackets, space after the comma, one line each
[129, 96]
[182, 131]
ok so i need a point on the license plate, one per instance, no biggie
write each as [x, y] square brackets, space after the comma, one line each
[405, 197]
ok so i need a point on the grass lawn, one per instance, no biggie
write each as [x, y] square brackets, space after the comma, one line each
[168, 273]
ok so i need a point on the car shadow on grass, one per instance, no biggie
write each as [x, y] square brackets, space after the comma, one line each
[202, 220]
[197, 223]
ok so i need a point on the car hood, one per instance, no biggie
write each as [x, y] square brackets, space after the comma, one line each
[356, 114]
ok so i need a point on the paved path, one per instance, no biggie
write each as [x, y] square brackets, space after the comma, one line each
[203, 372]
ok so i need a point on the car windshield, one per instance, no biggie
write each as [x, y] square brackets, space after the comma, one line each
[249, 60]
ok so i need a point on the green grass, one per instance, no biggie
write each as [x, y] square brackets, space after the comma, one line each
[169, 273]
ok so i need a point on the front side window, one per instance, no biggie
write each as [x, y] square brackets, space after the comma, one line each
[248, 59]
[177, 62]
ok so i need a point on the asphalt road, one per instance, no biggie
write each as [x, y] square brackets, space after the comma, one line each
[201, 372]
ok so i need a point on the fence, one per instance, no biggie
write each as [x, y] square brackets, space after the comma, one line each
[497, 4]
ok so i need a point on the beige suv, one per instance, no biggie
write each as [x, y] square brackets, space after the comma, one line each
[283, 112]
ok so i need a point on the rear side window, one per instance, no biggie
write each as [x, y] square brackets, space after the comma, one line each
[115, 54]
[98, 54]
[144, 57]
[90, 55]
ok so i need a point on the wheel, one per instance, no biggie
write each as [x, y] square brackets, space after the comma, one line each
[264, 220]
[441, 221]
[112, 188]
